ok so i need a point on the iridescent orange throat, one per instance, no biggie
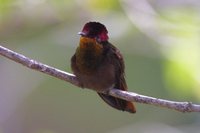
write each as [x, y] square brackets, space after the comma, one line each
[87, 44]
[89, 55]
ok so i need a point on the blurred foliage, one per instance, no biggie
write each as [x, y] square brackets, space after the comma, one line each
[46, 30]
[182, 67]
[5, 6]
[103, 5]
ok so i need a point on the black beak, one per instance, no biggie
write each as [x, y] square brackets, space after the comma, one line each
[82, 33]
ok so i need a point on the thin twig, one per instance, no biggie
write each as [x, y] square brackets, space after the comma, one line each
[129, 96]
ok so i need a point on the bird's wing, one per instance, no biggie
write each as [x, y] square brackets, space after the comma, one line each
[120, 83]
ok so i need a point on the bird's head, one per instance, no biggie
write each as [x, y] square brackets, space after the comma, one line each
[95, 30]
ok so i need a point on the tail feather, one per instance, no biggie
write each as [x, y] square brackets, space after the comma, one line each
[117, 103]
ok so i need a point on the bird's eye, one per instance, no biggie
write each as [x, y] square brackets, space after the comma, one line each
[98, 39]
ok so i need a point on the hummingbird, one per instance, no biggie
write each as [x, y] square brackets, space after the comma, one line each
[99, 65]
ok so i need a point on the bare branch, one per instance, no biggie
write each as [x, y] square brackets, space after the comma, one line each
[129, 96]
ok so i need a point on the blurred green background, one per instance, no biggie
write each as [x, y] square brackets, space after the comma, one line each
[161, 47]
